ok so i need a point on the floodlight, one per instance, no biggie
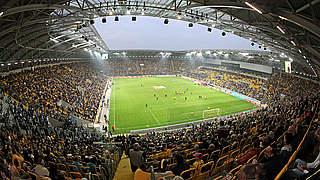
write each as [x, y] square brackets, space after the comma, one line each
[253, 7]
[281, 30]
[104, 20]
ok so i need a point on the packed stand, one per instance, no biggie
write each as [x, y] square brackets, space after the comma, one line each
[31, 148]
[64, 89]
[269, 135]
[250, 86]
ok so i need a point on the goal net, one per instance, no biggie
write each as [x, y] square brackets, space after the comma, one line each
[211, 113]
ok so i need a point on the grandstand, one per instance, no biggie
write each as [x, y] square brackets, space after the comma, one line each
[71, 108]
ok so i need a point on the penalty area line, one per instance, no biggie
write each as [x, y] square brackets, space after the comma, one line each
[154, 117]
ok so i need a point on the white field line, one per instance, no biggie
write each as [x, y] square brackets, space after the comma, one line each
[154, 117]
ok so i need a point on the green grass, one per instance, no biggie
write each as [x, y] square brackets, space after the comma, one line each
[128, 102]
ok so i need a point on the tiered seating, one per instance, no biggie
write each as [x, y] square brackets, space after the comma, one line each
[42, 90]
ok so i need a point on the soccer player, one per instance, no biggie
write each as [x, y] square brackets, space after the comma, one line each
[165, 95]
[146, 105]
[185, 98]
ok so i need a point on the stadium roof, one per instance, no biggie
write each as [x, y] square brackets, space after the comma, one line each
[63, 28]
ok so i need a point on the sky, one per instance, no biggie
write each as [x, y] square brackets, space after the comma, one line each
[151, 33]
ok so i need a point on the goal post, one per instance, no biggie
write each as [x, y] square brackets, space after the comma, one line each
[210, 113]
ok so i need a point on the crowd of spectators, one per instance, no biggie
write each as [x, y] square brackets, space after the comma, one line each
[31, 147]
[31, 144]
[123, 67]
[63, 89]
[276, 129]
[252, 86]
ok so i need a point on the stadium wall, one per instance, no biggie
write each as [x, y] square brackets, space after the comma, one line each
[242, 65]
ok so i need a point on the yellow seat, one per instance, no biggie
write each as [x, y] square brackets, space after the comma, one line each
[221, 165]
[75, 175]
[225, 150]
[171, 176]
[205, 170]
[235, 169]
[234, 154]
[188, 174]
[218, 178]
[251, 159]
[215, 153]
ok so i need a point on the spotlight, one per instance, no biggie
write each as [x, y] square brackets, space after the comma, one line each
[252, 44]
[116, 18]
[134, 18]
[209, 29]
[104, 20]
[259, 47]
[166, 21]
[190, 25]
[223, 33]
[91, 21]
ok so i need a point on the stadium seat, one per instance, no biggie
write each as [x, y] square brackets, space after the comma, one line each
[205, 158]
[168, 177]
[234, 154]
[225, 150]
[245, 149]
[242, 143]
[235, 176]
[75, 175]
[221, 165]
[95, 177]
[170, 166]
[190, 161]
[74, 168]
[85, 169]
[188, 174]
[205, 170]
[234, 146]
[64, 173]
[62, 167]
[218, 178]
[215, 154]
[235, 169]
[261, 154]
[33, 176]
[251, 159]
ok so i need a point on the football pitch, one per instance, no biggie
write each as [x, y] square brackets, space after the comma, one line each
[146, 102]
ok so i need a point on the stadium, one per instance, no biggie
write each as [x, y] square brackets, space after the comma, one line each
[72, 107]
